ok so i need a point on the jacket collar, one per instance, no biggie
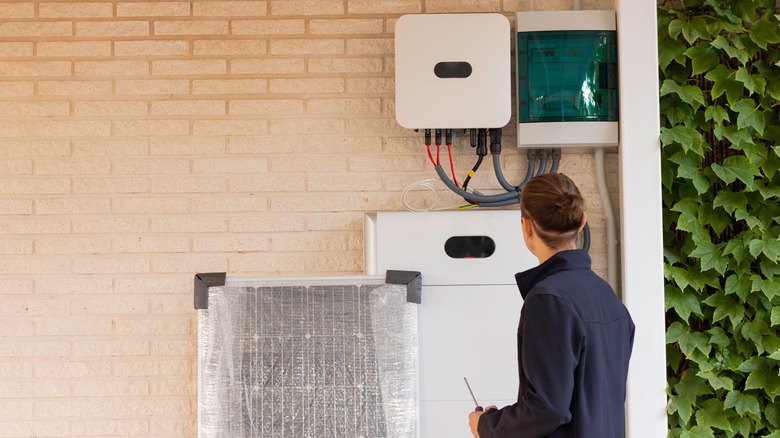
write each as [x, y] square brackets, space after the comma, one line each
[560, 261]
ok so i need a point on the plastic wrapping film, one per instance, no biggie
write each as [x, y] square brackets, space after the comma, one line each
[308, 358]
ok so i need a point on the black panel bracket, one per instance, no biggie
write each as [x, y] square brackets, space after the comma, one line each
[202, 284]
[412, 280]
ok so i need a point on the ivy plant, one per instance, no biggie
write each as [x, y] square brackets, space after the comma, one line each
[720, 135]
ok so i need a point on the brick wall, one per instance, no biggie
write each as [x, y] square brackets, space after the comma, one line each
[144, 141]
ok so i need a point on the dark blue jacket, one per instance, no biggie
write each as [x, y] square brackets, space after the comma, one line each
[574, 342]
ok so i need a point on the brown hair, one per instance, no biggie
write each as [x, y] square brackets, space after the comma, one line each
[554, 204]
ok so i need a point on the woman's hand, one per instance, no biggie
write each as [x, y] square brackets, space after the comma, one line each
[474, 420]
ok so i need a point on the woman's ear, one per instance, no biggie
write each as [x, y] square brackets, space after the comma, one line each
[584, 221]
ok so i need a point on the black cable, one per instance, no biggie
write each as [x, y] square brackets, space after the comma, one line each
[556, 153]
[542, 161]
[473, 196]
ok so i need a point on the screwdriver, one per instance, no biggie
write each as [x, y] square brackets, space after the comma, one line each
[478, 407]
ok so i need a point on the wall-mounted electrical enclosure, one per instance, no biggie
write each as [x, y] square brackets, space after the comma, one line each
[567, 93]
[452, 71]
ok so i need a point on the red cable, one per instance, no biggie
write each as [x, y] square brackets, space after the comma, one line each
[438, 154]
[429, 154]
[452, 166]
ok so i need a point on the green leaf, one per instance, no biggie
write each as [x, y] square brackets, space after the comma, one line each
[767, 245]
[711, 257]
[772, 415]
[687, 137]
[733, 134]
[764, 32]
[683, 303]
[739, 285]
[730, 201]
[769, 288]
[704, 58]
[775, 315]
[724, 81]
[736, 167]
[671, 50]
[716, 113]
[742, 403]
[718, 337]
[691, 168]
[726, 306]
[749, 115]
[712, 414]
[755, 84]
[755, 330]
[689, 94]
[716, 219]
[723, 44]
[698, 432]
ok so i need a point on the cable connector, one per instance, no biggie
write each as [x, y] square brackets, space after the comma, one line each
[448, 136]
[427, 137]
[438, 137]
[495, 141]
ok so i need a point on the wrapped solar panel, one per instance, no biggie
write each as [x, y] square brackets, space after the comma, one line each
[308, 357]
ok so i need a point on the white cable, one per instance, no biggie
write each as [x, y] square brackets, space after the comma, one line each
[609, 215]
[426, 183]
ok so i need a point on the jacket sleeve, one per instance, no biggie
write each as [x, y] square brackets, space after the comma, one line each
[551, 337]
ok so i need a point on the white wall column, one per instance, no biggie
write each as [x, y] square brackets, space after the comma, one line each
[641, 221]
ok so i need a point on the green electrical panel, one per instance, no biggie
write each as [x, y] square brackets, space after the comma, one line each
[567, 76]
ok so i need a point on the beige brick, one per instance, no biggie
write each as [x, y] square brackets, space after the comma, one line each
[188, 107]
[230, 47]
[35, 109]
[74, 327]
[343, 106]
[381, 202]
[73, 128]
[111, 185]
[266, 223]
[267, 145]
[38, 186]
[268, 183]
[73, 246]
[144, 48]
[229, 127]
[308, 242]
[307, 7]
[154, 327]
[335, 222]
[41, 29]
[17, 10]
[110, 108]
[62, 206]
[73, 285]
[188, 146]
[34, 226]
[83, 166]
[230, 86]
[313, 85]
[230, 165]
[98, 427]
[227, 8]
[346, 26]
[189, 67]
[384, 7]
[450, 6]
[32, 349]
[307, 126]
[515, 5]
[343, 145]
[374, 126]
[174, 348]
[113, 28]
[344, 183]
[300, 203]
[15, 206]
[111, 68]
[138, 205]
[18, 128]
[191, 27]
[345, 263]
[75, 10]
[72, 369]
[35, 388]
[15, 167]
[106, 265]
[150, 244]
[16, 246]
[110, 305]
[151, 128]
[16, 88]
[74, 48]
[152, 86]
[274, 26]
[112, 408]
[34, 68]
[266, 66]
[552, 5]
[242, 244]
[266, 106]
[224, 204]
[154, 368]
[153, 9]
[293, 163]
[34, 307]
[189, 185]
[189, 264]
[37, 428]
[320, 46]
[174, 426]
[173, 387]
[110, 225]
[189, 225]
[16, 49]
[345, 65]
[15, 370]
[277, 264]
[154, 285]
[15, 328]
[370, 46]
[107, 348]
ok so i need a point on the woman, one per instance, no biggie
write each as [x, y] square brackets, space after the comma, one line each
[575, 337]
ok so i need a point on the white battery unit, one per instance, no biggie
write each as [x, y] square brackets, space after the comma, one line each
[452, 71]
[470, 306]
[567, 91]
